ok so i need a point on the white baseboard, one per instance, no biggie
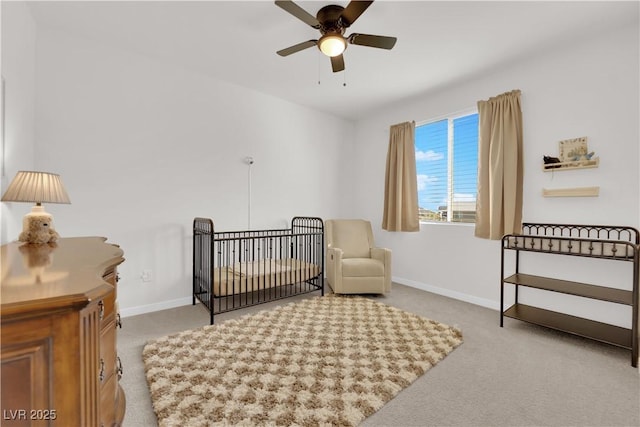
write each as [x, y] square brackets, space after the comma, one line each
[483, 302]
[164, 305]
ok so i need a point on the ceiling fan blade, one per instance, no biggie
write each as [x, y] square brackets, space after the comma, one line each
[337, 63]
[297, 47]
[353, 10]
[382, 42]
[298, 12]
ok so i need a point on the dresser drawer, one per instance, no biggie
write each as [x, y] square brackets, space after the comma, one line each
[108, 309]
[107, 351]
[110, 276]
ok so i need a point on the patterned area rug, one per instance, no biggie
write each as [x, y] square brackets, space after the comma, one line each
[323, 361]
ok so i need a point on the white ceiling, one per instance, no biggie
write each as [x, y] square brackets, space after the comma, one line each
[439, 43]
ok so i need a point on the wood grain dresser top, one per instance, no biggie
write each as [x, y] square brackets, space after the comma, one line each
[57, 276]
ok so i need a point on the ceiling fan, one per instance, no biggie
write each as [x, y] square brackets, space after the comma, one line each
[332, 21]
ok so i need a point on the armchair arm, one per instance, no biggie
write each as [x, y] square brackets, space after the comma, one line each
[381, 254]
[384, 255]
[334, 268]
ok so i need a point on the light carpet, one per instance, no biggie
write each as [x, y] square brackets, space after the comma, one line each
[329, 360]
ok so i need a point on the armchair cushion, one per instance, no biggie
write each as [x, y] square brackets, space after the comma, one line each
[362, 267]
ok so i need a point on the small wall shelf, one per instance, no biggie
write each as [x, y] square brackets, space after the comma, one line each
[571, 192]
[578, 164]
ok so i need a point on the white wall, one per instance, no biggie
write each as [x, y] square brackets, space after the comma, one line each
[586, 88]
[143, 147]
[18, 70]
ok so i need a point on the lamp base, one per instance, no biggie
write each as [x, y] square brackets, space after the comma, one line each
[37, 227]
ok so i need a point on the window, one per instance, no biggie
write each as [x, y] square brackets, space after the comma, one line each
[447, 169]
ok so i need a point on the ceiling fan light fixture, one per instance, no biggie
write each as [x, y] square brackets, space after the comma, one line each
[332, 21]
[332, 44]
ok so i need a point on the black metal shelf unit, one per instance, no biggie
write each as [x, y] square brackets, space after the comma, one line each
[615, 243]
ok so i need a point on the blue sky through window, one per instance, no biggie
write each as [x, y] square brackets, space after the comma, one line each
[431, 164]
[432, 160]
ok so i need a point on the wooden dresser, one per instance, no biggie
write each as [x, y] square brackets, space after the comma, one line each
[58, 320]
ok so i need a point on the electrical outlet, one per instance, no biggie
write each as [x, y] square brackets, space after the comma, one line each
[146, 275]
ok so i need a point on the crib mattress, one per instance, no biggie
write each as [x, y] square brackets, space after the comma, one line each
[258, 275]
[607, 249]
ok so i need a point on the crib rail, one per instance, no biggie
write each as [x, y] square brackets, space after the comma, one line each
[236, 269]
[203, 250]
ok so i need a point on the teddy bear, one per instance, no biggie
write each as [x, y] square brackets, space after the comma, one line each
[38, 229]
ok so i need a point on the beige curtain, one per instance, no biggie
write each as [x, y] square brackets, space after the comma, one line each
[401, 185]
[500, 166]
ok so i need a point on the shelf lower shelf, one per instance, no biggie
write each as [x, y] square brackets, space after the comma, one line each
[571, 192]
[619, 296]
[586, 328]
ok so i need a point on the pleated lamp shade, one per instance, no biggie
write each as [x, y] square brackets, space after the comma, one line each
[38, 187]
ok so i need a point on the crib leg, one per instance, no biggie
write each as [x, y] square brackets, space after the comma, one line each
[211, 313]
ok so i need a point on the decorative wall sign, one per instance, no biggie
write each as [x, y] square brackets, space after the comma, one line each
[573, 149]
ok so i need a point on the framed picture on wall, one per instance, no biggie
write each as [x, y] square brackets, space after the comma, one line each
[573, 149]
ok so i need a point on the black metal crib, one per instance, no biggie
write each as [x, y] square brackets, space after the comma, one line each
[237, 269]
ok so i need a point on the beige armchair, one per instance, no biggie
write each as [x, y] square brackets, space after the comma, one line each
[354, 264]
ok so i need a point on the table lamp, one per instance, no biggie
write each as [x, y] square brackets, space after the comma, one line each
[38, 188]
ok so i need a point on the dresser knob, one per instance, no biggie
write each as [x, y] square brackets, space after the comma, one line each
[118, 321]
[101, 306]
[117, 277]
